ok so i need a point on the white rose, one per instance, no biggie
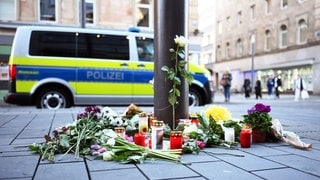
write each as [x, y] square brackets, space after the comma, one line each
[190, 128]
[107, 156]
[111, 142]
[181, 41]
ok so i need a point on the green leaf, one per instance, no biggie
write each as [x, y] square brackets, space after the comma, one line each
[165, 68]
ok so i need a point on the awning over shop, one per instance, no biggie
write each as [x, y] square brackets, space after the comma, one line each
[294, 63]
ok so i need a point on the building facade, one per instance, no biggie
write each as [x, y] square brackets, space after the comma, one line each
[103, 14]
[256, 39]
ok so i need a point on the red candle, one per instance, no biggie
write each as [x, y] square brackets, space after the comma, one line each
[245, 138]
[139, 139]
[175, 140]
[195, 121]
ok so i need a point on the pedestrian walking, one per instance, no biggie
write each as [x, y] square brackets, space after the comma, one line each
[247, 87]
[257, 89]
[225, 82]
[277, 85]
[270, 85]
[299, 87]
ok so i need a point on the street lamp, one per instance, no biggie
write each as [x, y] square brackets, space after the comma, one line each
[252, 41]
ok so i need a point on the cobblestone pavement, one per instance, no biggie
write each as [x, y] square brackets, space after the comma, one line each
[20, 126]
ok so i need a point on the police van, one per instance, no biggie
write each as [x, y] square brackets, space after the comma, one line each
[58, 67]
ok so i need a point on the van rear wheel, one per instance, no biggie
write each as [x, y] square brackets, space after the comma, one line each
[195, 98]
[52, 98]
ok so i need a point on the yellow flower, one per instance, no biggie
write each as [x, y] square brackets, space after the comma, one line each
[218, 113]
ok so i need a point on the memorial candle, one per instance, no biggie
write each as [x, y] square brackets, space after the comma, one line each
[175, 139]
[245, 137]
[139, 139]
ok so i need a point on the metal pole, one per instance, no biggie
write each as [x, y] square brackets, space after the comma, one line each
[169, 21]
[83, 13]
[252, 59]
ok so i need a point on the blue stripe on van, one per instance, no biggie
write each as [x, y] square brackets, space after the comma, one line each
[90, 74]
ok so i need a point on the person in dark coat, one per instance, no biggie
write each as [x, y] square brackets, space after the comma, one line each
[257, 89]
[277, 85]
[247, 88]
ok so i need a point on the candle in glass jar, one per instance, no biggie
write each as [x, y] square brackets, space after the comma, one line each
[175, 139]
[121, 131]
[157, 134]
[139, 139]
[245, 138]
[195, 121]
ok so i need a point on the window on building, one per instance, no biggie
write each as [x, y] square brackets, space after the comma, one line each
[218, 52]
[7, 10]
[219, 25]
[252, 41]
[143, 13]
[302, 31]
[267, 6]
[228, 21]
[239, 48]
[239, 17]
[267, 40]
[228, 51]
[89, 11]
[284, 4]
[47, 10]
[283, 36]
[252, 12]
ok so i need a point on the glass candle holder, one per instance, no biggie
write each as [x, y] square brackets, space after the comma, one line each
[157, 134]
[229, 134]
[245, 137]
[139, 139]
[121, 131]
[175, 139]
[143, 123]
[195, 121]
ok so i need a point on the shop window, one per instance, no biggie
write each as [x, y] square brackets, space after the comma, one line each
[89, 11]
[283, 36]
[302, 32]
[143, 9]
[47, 10]
[7, 10]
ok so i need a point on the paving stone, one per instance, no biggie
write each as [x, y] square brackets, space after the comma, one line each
[27, 141]
[18, 167]
[33, 133]
[9, 131]
[285, 173]
[260, 150]
[312, 153]
[118, 174]
[249, 162]
[99, 165]
[164, 170]
[221, 170]
[302, 163]
[62, 158]
[75, 170]
[201, 157]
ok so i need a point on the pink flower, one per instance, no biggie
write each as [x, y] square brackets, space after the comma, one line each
[129, 138]
[102, 150]
[201, 144]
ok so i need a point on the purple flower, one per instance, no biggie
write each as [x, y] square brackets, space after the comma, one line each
[259, 108]
[95, 146]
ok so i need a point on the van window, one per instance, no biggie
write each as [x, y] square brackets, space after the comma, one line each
[145, 49]
[85, 45]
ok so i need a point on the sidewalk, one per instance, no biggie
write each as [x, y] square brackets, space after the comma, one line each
[21, 126]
